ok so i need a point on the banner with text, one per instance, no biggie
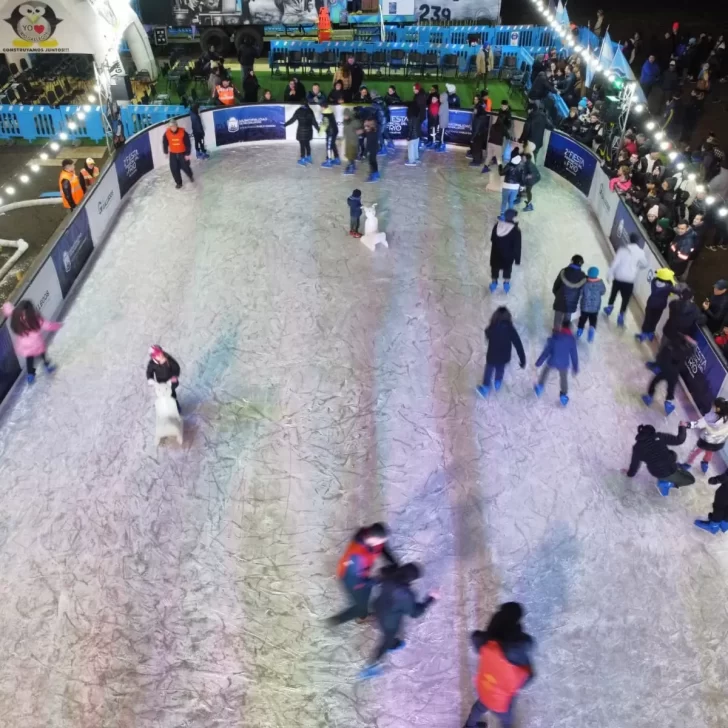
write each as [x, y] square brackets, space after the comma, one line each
[72, 251]
[134, 160]
[40, 27]
[571, 160]
[45, 291]
[102, 204]
[249, 124]
[459, 127]
[703, 373]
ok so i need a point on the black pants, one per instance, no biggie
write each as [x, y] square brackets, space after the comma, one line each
[652, 318]
[478, 150]
[178, 164]
[354, 224]
[305, 148]
[373, 166]
[200, 144]
[496, 269]
[29, 363]
[680, 478]
[388, 641]
[720, 505]
[331, 147]
[669, 377]
[359, 608]
[529, 194]
[590, 317]
[625, 290]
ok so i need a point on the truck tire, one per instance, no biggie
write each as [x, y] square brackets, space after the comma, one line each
[251, 36]
[215, 37]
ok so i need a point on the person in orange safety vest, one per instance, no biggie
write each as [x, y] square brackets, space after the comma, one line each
[88, 175]
[226, 94]
[355, 570]
[504, 666]
[70, 185]
[176, 143]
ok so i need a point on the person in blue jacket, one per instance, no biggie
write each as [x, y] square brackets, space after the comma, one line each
[663, 284]
[559, 353]
[649, 75]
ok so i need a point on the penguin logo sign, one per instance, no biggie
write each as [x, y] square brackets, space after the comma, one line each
[34, 25]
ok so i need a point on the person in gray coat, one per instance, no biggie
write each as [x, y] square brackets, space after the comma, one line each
[444, 115]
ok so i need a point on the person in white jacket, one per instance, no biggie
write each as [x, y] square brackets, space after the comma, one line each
[714, 434]
[627, 263]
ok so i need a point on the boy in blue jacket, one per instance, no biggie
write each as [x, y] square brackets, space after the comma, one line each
[591, 303]
[559, 353]
[354, 202]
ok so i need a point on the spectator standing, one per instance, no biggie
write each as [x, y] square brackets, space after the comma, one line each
[627, 263]
[716, 307]
[478, 135]
[598, 28]
[357, 75]
[343, 76]
[682, 249]
[649, 75]
[70, 185]
[250, 88]
[693, 112]
[246, 57]
[413, 133]
[674, 116]
[501, 132]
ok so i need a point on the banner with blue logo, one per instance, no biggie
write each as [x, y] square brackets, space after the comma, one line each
[571, 160]
[398, 128]
[133, 161]
[253, 123]
[72, 251]
[623, 226]
[9, 366]
[703, 373]
[459, 127]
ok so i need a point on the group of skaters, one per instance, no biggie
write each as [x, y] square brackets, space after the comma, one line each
[504, 649]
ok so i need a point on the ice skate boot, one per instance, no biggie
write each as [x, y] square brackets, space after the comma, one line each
[709, 526]
[608, 310]
[592, 333]
[664, 487]
[483, 391]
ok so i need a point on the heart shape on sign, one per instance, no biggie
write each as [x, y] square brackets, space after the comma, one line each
[39, 28]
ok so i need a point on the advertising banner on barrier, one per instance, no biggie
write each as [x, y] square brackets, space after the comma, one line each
[703, 374]
[623, 226]
[249, 124]
[134, 160]
[45, 291]
[102, 205]
[603, 201]
[9, 366]
[72, 251]
[398, 128]
[459, 126]
[572, 161]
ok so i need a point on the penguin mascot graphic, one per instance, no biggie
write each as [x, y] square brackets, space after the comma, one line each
[34, 23]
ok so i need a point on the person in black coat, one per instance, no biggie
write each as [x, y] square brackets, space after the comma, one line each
[250, 87]
[304, 133]
[505, 249]
[198, 132]
[246, 55]
[718, 518]
[534, 129]
[337, 94]
[541, 87]
[395, 601]
[567, 290]
[478, 135]
[716, 307]
[653, 449]
[501, 337]
[670, 360]
[295, 92]
[357, 76]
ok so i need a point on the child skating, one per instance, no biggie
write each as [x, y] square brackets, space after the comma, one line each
[718, 518]
[163, 367]
[28, 327]
[591, 302]
[354, 202]
[332, 131]
[662, 285]
[559, 353]
[505, 250]
[352, 132]
[670, 359]
[501, 336]
[714, 434]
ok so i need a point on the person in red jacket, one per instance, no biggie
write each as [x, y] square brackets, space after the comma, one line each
[504, 666]
[355, 570]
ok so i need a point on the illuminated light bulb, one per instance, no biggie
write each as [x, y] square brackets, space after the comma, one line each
[43, 155]
[55, 146]
[97, 88]
[34, 168]
[578, 49]
[10, 190]
[24, 179]
[672, 156]
[639, 109]
[598, 67]
[659, 135]
[611, 77]
[91, 98]
[691, 176]
[650, 125]
[709, 200]
[72, 125]
[664, 146]
[63, 136]
[700, 188]
[680, 166]
[723, 211]
[81, 115]
[86, 108]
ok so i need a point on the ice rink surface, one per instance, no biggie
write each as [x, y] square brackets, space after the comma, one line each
[325, 387]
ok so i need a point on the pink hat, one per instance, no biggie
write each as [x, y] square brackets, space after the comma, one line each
[155, 350]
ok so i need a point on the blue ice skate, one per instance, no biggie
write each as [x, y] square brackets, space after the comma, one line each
[506, 286]
[336, 162]
[485, 170]
[30, 378]
[493, 286]
[538, 388]
[664, 487]
[620, 320]
[374, 177]
[528, 207]
[647, 399]
[579, 333]
[350, 168]
[483, 391]
[308, 160]
[709, 526]
[704, 465]
[608, 310]
[669, 407]
[592, 333]
[498, 384]
[564, 399]
[369, 672]
[469, 154]
[302, 161]
[652, 366]
[400, 645]
[50, 367]
[328, 164]
[441, 147]
[474, 164]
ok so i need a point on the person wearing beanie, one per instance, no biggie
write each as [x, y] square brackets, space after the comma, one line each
[663, 236]
[352, 132]
[560, 354]
[504, 665]
[453, 99]
[163, 367]
[505, 249]
[718, 518]
[627, 263]
[396, 600]
[512, 175]
[591, 302]
[89, 173]
[662, 285]
[354, 202]
[653, 449]
[567, 290]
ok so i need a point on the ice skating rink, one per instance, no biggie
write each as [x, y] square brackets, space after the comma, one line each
[325, 387]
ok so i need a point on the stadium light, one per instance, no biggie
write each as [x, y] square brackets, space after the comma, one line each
[72, 125]
[55, 146]
[43, 156]
[24, 179]
[680, 166]
[639, 109]
[659, 135]
[700, 188]
[91, 98]
[63, 136]
[672, 156]
[34, 168]
[664, 146]
[10, 190]
[709, 200]
[81, 115]
[723, 211]
[692, 176]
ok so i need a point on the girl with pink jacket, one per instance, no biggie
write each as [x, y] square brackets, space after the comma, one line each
[28, 326]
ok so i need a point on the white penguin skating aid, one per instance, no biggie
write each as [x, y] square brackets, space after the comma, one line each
[372, 237]
[169, 421]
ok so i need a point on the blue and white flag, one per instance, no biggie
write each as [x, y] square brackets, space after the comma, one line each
[562, 17]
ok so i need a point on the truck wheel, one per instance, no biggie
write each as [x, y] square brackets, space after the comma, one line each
[249, 36]
[215, 37]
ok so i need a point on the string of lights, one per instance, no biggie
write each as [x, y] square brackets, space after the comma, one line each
[664, 144]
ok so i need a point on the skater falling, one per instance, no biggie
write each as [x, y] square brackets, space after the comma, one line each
[591, 302]
[559, 353]
[28, 327]
[501, 337]
[505, 250]
[714, 434]
[504, 665]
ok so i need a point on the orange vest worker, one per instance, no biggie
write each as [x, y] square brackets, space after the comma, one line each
[498, 680]
[76, 191]
[225, 94]
[89, 175]
[176, 140]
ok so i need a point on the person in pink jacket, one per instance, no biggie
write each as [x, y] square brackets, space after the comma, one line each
[28, 326]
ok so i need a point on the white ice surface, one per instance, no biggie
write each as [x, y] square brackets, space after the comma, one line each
[325, 387]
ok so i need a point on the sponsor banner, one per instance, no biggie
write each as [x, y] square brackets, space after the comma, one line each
[72, 251]
[9, 366]
[102, 204]
[572, 161]
[249, 124]
[603, 201]
[459, 127]
[398, 128]
[40, 27]
[45, 291]
[133, 161]
[703, 373]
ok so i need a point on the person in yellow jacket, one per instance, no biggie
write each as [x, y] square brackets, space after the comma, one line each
[88, 175]
[70, 185]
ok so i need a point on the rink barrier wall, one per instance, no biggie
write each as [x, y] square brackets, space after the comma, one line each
[57, 271]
